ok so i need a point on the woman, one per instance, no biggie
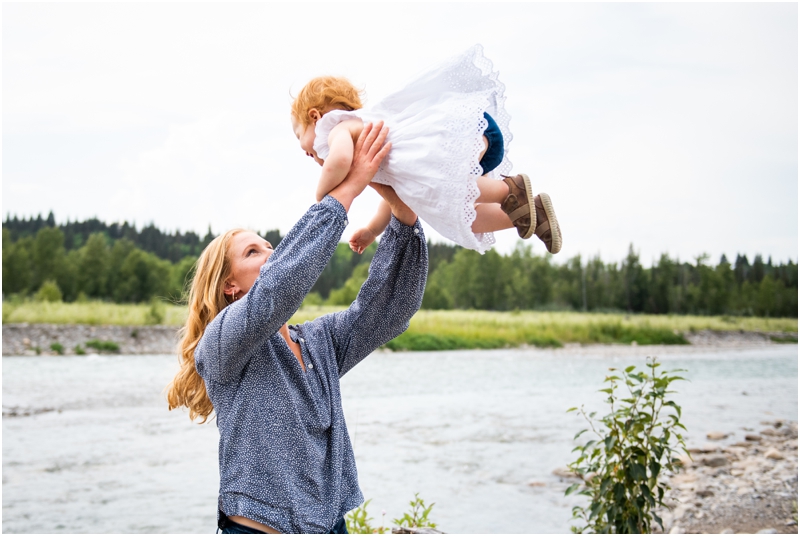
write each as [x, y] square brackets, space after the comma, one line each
[286, 463]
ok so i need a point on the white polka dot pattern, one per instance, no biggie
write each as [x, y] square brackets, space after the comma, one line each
[285, 457]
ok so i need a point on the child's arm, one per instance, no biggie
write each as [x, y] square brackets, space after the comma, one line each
[340, 157]
[366, 236]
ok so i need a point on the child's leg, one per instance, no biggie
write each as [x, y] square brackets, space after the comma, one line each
[491, 217]
[492, 191]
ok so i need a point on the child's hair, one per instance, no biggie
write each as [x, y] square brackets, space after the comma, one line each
[325, 93]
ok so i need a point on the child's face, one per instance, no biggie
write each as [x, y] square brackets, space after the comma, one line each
[306, 136]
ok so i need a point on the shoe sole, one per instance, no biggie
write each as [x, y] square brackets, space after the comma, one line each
[532, 207]
[555, 230]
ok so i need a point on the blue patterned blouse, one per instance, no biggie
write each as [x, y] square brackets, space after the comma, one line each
[285, 457]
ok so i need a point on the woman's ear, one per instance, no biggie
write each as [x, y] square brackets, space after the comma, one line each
[229, 289]
[314, 115]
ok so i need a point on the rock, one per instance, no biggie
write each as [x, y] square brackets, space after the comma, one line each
[715, 461]
[752, 437]
[536, 484]
[564, 472]
[705, 493]
[769, 432]
[767, 531]
[704, 449]
[727, 531]
[773, 454]
[677, 530]
[791, 523]
[716, 436]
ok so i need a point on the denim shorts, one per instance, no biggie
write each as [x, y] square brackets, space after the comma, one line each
[226, 526]
[494, 152]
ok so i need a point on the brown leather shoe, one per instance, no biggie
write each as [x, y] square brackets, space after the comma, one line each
[548, 230]
[519, 205]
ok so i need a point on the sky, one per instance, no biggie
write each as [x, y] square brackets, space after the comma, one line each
[669, 126]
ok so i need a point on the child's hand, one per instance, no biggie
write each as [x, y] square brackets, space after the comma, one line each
[361, 239]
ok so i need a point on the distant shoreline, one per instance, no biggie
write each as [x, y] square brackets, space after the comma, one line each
[23, 340]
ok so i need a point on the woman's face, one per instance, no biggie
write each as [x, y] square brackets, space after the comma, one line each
[306, 135]
[247, 252]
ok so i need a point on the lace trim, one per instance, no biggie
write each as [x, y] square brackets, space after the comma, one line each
[474, 71]
[323, 129]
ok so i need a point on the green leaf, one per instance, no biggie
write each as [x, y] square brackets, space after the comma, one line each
[580, 433]
[629, 369]
[572, 488]
[572, 409]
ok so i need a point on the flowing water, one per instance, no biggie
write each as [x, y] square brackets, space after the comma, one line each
[88, 445]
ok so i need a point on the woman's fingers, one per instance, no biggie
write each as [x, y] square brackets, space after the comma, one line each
[361, 137]
[375, 139]
[383, 152]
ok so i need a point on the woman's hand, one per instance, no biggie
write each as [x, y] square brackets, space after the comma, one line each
[367, 157]
[399, 209]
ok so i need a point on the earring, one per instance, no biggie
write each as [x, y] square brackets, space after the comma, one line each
[234, 295]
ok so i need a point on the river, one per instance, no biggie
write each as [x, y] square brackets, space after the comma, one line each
[88, 445]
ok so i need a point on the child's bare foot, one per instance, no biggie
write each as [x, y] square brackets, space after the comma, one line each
[361, 239]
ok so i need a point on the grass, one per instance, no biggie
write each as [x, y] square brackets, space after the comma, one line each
[93, 313]
[450, 330]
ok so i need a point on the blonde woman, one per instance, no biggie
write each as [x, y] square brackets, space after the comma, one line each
[285, 459]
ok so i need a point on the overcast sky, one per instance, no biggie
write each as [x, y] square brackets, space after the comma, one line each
[670, 126]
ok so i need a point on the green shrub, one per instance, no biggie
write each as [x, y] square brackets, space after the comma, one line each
[359, 522]
[103, 346]
[57, 348]
[313, 299]
[635, 445]
[79, 350]
[417, 517]
[49, 292]
[785, 338]
[155, 313]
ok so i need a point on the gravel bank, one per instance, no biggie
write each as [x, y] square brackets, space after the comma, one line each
[747, 487]
[36, 339]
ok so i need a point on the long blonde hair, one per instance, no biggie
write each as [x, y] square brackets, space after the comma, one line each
[206, 299]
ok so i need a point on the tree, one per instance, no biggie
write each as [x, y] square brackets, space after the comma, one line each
[141, 277]
[17, 268]
[93, 266]
[48, 255]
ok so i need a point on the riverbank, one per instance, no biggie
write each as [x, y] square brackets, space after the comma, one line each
[746, 487]
[71, 339]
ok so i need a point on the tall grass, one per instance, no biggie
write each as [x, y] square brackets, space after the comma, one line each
[487, 329]
[91, 312]
[446, 330]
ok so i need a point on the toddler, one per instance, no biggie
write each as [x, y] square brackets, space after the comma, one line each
[449, 131]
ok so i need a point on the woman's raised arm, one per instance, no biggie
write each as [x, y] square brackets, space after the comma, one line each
[290, 272]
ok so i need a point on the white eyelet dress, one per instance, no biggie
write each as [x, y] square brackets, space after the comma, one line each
[436, 127]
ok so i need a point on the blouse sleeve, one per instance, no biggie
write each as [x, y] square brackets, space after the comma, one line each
[388, 298]
[277, 293]
[323, 129]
